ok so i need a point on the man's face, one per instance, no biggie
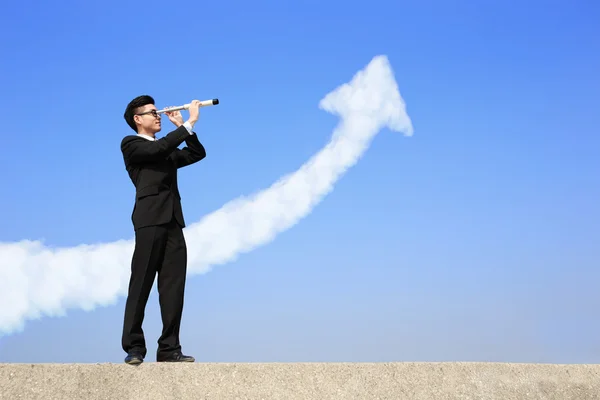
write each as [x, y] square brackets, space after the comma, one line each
[148, 119]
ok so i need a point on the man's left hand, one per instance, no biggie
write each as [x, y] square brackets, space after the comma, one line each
[175, 117]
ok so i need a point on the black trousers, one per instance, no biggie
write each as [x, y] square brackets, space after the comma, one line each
[158, 250]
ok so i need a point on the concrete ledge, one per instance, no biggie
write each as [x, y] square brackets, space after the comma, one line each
[439, 381]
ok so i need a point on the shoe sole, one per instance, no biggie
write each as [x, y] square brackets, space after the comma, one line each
[134, 362]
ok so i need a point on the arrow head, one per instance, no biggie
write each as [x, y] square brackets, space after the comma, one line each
[371, 94]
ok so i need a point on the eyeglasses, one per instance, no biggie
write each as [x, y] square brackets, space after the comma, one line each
[152, 112]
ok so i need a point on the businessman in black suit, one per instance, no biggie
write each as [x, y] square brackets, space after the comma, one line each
[158, 222]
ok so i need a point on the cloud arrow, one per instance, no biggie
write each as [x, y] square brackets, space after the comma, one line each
[37, 280]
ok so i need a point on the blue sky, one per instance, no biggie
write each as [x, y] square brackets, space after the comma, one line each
[476, 239]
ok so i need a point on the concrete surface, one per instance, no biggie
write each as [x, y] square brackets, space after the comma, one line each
[439, 381]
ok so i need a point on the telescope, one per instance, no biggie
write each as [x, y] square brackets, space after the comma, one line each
[204, 103]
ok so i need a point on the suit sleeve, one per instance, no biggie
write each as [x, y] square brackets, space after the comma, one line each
[138, 150]
[192, 153]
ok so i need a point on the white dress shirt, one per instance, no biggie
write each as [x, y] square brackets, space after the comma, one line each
[187, 125]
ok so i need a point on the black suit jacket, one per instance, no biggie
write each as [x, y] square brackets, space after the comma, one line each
[152, 167]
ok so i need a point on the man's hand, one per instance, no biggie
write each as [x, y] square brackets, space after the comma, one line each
[194, 111]
[175, 117]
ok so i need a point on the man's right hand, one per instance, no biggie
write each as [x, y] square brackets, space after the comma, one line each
[194, 111]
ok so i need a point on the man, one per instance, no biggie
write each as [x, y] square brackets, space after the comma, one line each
[158, 221]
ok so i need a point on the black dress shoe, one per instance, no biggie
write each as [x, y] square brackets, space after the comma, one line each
[176, 357]
[134, 358]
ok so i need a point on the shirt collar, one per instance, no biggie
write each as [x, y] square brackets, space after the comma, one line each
[146, 137]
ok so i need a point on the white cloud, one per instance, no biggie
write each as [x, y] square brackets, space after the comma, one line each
[41, 281]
